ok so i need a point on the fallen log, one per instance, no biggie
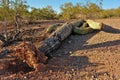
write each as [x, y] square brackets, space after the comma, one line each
[78, 23]
[49, 45]
[53, 27]
[55, 39]
[83, 29]
[95, 25]
[63, 32]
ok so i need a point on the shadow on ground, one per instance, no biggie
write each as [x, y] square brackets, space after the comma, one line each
[110, 29]
[67, 63]
[12, 65]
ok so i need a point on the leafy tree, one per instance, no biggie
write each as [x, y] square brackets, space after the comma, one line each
[66, 10]
[34, 14]
[117, 12]
[47, 13]
[69, 11]
[5, 10]
[44, 13]
[11, 11]
[93, 10]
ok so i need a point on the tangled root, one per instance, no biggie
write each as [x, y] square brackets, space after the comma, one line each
[28, 53]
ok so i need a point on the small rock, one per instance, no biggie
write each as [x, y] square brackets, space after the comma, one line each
[69, 41]
[50, 71]
[25, 77]
[73, 70]
[23, 60]
[70, 52]
[92, 76]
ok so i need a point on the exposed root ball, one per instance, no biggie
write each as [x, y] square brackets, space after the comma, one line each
[27, 52]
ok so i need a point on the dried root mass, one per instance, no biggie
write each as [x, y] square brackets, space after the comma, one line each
[27, 52]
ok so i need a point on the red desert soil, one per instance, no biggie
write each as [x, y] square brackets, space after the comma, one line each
[95, 56]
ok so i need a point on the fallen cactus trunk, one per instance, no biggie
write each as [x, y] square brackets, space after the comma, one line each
[78, 23]
[87, 27]
[94, 25]
[49, 45]
[63, 32]
[53, 27]
[55, 39]
[83, 29]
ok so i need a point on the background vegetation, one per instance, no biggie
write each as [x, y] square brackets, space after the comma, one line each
[11, 8]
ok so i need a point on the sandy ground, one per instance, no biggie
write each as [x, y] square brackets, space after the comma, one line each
[95, 56]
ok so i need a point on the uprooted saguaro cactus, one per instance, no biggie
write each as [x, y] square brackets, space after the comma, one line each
[55, 39]
[36, 59]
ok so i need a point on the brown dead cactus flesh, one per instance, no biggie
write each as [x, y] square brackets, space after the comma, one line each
[28, 53]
